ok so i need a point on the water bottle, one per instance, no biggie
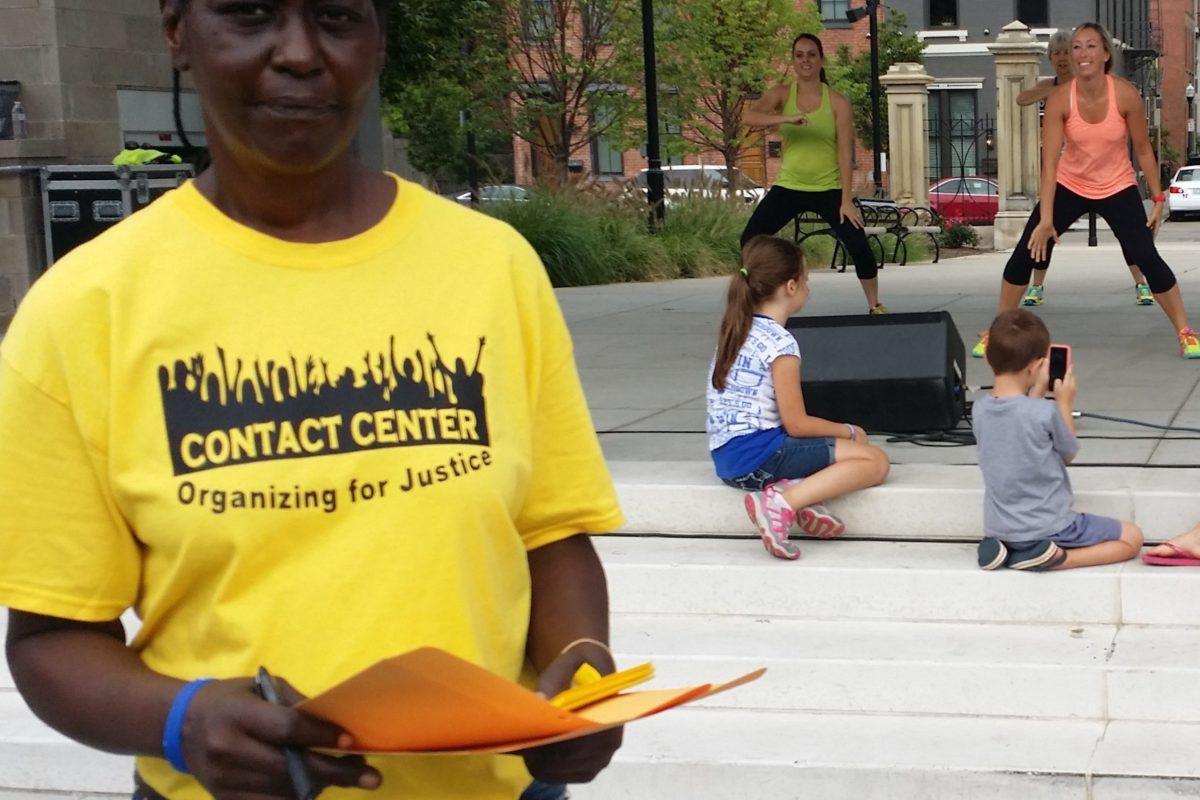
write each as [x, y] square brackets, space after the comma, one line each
[20, 125]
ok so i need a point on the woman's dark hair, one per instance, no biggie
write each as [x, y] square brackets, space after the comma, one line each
[768, 262]
[820, 49]
[1105, 39]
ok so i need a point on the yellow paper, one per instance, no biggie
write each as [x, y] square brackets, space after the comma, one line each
[429, 701]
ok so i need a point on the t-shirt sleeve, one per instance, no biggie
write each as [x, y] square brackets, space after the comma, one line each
[66, 550]
[1064, 441]
[782, 345]
[569, 490]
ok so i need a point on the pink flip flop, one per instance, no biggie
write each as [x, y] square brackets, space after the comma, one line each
[1182, 559]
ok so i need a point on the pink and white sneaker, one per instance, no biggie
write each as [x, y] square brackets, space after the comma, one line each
[816, 520]
[773, 517]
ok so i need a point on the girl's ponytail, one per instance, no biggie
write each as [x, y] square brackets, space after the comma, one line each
[767, 263]
[735, 326]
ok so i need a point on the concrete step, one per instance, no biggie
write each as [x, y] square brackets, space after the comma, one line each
[726, 753]
[884, 581]
[35, 758]
[1098, 672]
[919, 501]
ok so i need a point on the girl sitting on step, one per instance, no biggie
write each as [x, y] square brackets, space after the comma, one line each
[761, 438]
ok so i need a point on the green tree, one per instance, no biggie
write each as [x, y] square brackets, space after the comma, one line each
[851, 74]
[713, 58]
[446, 63]
[570, 68]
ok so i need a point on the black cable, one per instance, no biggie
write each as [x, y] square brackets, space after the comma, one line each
[176, 108]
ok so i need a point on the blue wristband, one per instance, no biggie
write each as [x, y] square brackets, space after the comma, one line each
[172, 741]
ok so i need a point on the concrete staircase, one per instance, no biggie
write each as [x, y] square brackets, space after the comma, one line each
[896, 669]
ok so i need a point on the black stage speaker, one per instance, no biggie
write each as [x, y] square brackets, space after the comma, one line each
[893, 372]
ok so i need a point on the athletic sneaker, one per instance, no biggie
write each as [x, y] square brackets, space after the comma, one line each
[991, 553]
[1035, 556]
[877, 310]
[980, 348]
[815, 520]
[1033, 295]
[771, 514]
[1189, 345]
[1143, 296]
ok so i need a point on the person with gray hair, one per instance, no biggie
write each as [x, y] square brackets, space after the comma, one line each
[1058, 52]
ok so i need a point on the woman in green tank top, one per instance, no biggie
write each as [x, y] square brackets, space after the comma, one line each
[818, 144]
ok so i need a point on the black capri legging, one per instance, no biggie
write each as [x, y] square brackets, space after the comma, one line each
[1122, 211]
[782, 205]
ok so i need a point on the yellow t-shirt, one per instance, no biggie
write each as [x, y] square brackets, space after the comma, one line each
[304, 456]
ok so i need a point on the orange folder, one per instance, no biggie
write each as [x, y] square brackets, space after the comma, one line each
[429, 701]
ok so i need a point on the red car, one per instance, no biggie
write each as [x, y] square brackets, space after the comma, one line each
[971, 199]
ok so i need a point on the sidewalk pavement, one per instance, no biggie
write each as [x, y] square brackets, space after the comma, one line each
[643, 349]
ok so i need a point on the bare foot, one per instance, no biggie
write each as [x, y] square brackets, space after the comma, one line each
[1189, 542]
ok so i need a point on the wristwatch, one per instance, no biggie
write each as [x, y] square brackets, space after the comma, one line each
[1161, 197]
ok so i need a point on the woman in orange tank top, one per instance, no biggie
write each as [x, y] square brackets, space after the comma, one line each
[1086, 131]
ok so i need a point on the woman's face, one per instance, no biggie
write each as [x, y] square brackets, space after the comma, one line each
[1088, 54]
[282, 82]
[806, 59]
[1061, 61]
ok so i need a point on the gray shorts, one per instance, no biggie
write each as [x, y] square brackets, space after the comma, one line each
[1088, 529]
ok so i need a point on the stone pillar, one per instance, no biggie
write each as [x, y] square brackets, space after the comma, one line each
[1018, 134]
[907, 87]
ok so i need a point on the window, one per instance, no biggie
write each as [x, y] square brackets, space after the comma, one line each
[834, 10]
[1033, 12]
[597, 19]
[954, 141]
[606, 157]
[539, 19]
[943, 13]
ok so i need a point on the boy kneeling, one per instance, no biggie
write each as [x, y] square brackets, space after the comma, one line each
[1025, 443]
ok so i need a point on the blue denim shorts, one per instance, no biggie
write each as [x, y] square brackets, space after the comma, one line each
[1088, 529]
[795, 458]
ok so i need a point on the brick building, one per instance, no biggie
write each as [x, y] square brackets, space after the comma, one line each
[1177, 69]
[602, 161]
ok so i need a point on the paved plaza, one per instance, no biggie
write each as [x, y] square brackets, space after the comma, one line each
[643, 349]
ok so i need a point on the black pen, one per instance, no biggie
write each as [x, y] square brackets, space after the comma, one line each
[301, 783]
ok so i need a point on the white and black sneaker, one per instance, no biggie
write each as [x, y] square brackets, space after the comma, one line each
[992, 553]
[1035, 556]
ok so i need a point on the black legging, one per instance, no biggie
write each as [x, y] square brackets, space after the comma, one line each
[782, 205]
[1122, 211]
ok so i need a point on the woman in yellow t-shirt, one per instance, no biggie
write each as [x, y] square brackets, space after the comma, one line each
[325, 418]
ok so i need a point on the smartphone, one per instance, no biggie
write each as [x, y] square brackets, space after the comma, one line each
[1060, 362]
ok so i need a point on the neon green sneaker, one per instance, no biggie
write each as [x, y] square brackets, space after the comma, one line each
[1033, 295]
[877, 310]
[980, 348]
[1189, 345]
[1144, 296]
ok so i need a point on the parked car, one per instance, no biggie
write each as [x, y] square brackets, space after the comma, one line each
[495, 193]
[972, 199]
[1183, 195]
[681, 180]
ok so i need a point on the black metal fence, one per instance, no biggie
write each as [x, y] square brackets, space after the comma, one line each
[961, 168]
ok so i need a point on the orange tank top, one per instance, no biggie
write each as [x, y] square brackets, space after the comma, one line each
[1095, 159]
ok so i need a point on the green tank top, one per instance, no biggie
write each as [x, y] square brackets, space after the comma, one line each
[809, 152]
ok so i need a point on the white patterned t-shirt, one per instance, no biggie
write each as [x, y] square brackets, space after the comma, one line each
[748, 404]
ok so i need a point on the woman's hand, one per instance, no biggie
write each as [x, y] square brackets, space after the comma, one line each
[233, 744]
[577, 760]
[794, 119]
[1155, 221]
[1042, 234]
[849, 213]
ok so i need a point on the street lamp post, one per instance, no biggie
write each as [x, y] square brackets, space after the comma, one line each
[654, 175]
[854, 15]
[1190, 94]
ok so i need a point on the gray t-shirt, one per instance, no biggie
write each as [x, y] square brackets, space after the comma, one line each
[1022, 444]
